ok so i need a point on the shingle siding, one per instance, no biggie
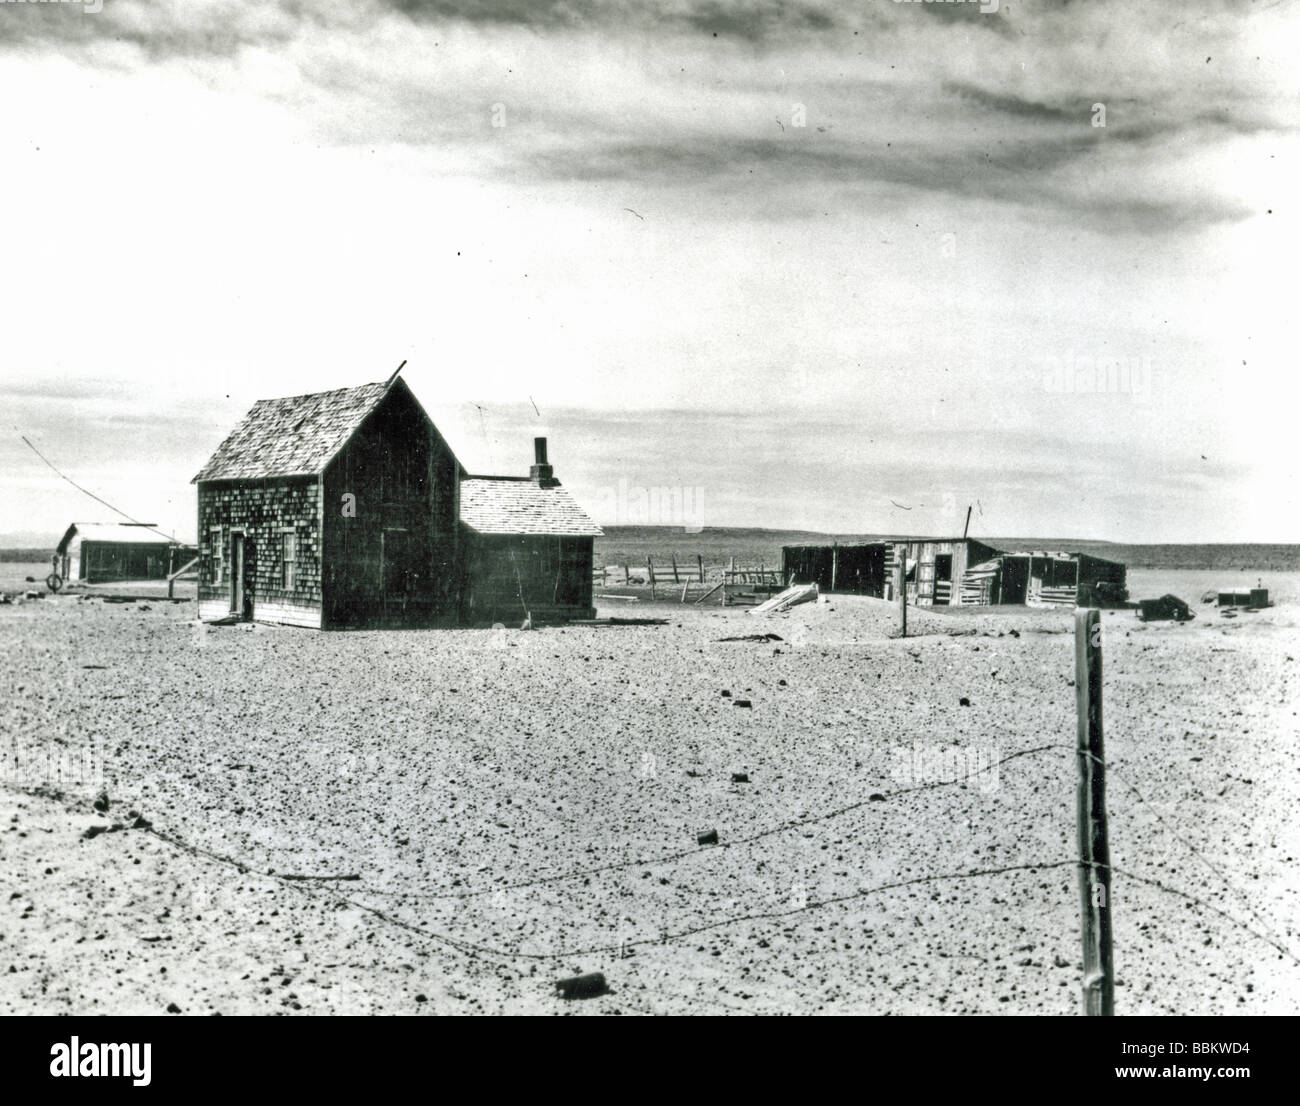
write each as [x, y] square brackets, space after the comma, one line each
[263, 510]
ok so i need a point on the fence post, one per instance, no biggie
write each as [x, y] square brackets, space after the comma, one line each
[1094, 844]
[902, 591]
[674, 560]
[699, 560]
[650, 570]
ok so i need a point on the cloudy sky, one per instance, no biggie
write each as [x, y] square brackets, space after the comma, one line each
[833, 265]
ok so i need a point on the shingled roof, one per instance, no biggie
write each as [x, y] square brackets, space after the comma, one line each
[293, 436]
[518, 505]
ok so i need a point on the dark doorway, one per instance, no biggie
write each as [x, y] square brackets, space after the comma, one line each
[1015, 579]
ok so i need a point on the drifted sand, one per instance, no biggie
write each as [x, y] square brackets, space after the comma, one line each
[443, 768]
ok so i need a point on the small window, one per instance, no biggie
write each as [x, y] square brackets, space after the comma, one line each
[289, 559]
[216, 552]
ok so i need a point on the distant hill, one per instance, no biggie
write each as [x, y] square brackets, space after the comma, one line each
[750, 545]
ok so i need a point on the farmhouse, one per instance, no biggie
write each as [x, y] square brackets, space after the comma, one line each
[97, 553]
[348, 509]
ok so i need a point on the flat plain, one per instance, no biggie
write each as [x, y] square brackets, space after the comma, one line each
[511, 807]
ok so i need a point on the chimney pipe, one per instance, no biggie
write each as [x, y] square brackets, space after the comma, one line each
[541, 472]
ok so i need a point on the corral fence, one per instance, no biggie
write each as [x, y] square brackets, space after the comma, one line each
[688, 580]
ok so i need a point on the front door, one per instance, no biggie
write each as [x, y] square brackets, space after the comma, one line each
[237, 573]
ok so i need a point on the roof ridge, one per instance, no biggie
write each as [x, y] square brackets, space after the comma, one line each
[326, 392]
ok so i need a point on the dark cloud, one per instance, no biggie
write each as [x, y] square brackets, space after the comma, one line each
[744, 19]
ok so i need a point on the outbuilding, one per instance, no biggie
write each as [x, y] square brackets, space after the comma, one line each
[99, 553]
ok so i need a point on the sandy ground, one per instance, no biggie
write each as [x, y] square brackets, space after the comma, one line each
[520, 807]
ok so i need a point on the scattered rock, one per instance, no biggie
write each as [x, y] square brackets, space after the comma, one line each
[591, 985]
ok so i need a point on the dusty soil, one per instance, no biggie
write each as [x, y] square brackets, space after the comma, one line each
[518, 805]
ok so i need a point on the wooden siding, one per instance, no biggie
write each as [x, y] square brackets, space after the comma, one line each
[549, 577]
[394, 561]
[98, 562]
[857, 569]
[926, 587]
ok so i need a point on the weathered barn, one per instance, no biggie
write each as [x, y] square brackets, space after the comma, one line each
[934, 566]
[343, 510]
[855, 568]
[97, 552]
[1046, 579]
[957, 572]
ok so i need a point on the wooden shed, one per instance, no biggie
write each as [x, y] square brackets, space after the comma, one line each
[934, 568]
[342, 510]
[97, 553]
[854, 568]
[1053, 579]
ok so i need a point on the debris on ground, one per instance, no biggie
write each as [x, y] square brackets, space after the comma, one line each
[791, 597]
[761, 638]
[617, 622]
[1165, 609]
[591, 985]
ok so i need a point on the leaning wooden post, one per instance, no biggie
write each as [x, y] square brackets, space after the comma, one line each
[1094, 845]
[650, 570]
[674, 560]
[699, 560]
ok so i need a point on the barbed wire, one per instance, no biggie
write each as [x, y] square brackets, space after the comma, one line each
[1245, 899]
[673, 857]
[501, 956]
